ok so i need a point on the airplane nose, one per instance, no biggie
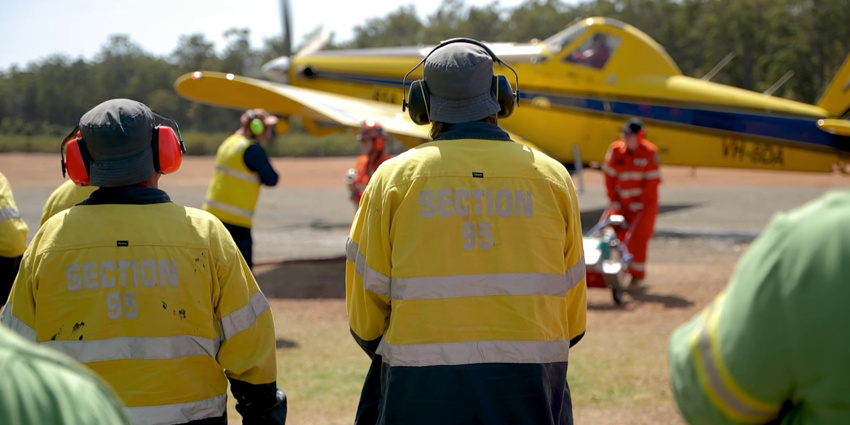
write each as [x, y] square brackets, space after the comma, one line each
[277, 69]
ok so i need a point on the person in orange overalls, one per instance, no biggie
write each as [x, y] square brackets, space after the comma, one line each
[373, 144]
[632, 176]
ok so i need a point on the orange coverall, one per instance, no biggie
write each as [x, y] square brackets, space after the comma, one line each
[631, 180]
[365, 167]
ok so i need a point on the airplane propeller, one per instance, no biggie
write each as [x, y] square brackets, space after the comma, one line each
[278, 69]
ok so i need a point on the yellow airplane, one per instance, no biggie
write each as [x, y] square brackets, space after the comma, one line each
[577, 88]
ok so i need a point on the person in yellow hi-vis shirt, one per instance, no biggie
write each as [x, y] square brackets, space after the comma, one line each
[65, 196]
[151, 295]
[13, 239]
[465, 279]
[241, 168]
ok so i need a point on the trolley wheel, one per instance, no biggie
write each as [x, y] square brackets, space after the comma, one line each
[617, 293]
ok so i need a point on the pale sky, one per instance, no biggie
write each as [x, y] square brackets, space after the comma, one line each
[33, 29]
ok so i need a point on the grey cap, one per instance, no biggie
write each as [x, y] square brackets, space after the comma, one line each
[459, 77]
[118, 135]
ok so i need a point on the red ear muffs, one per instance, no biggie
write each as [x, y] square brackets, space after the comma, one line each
[378, 144]
[74, 159]
[641, 134]
[168, 151]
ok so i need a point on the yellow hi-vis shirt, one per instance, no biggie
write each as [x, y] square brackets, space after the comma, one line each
[468, 253]
[13, 229]
[234, 190]
[65, 196]
[153, 296]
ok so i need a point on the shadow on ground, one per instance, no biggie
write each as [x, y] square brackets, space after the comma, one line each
[322, 279]
[589, 218]
[636, 297]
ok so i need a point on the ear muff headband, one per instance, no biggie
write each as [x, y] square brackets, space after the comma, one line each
[256, 125]
[168, 149]
[419, 95]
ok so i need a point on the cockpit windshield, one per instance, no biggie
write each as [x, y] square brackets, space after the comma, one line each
[557, 42]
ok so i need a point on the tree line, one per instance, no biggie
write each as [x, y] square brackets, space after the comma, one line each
[769, 38]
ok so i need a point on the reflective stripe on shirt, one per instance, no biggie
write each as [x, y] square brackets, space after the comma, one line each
[474, 352]
[16, 324]
[178, 413]
[630, 193]
[238, 174]
[609, 170]
[373, 280]
[716, 378]
[471, 285]
[242, 212]
[123, 348]
[8, 213]
[246, 316]
[650, 175]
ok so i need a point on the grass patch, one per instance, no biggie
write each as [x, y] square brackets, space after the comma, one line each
[324, 373]
[620, 369]
[197, 143]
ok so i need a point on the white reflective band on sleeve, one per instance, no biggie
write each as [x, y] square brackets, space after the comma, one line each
[16, 324]
[242, 212]
[637, 266]
[654, 174]
[372, 280]
[760, 414]
[178, 413]
[246, 316]
[609, 171]
[173, 347]
[635, 206]
[253, 178]
[459, 353]
[631, 175]
[8, 213]
[576, 273]
[628, 193]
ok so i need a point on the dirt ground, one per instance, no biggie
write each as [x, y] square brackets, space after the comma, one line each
[617, 372]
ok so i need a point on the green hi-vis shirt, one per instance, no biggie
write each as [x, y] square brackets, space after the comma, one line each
[41, 386]
[773, 346]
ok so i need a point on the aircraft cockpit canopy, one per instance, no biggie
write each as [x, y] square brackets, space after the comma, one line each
[557, 42]
[596, 50]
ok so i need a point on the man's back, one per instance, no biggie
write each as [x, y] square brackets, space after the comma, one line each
[142, 290]
[474, 247]
[778, 327]
[41, 386]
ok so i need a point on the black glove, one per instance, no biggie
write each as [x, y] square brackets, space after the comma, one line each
[274, 415]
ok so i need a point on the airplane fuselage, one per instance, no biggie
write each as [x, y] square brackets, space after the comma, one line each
[562, 105]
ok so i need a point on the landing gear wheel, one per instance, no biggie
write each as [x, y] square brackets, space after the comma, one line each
[615, 282]
[617, 293]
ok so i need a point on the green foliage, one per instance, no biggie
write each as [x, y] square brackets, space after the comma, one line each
[768, 37]
[198, 143]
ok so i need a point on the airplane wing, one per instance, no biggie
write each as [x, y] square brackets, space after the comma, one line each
[237, 92]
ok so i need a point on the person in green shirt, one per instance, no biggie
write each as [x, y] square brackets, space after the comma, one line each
[772, 347]
[39, 385]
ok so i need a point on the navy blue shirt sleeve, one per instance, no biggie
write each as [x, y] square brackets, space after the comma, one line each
[257, 160]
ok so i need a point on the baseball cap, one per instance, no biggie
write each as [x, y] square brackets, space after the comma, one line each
[459, 77]
[119, 138]
[632, 126]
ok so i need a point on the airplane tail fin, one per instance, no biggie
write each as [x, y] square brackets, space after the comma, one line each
[836, 98]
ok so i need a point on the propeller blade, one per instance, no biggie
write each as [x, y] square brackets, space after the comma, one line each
[286, 22]
[316, 43]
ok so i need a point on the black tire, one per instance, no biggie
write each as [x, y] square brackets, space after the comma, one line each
[617, 294]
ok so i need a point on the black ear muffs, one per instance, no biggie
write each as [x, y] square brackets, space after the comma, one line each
[418, 99]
